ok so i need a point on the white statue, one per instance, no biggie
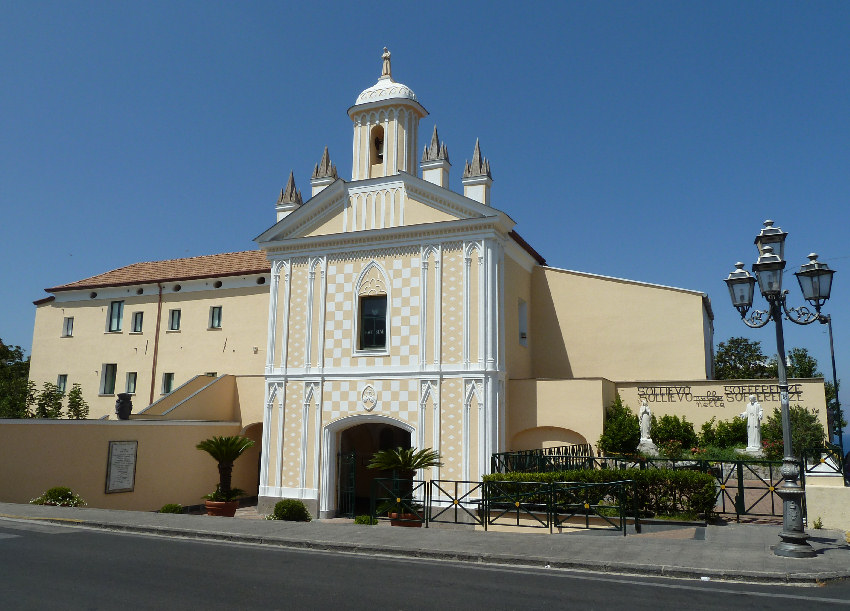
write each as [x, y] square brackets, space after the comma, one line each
[646, 445]
[753, 415]
[645, 416]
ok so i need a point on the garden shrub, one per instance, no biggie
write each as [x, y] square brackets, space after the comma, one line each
[671, 428]
[806, 431]
[60, 496]
[708, 433]
[621, 430]
[367, 520]
[732, 433]
[660, 492]
[290, 510]
[171, 508]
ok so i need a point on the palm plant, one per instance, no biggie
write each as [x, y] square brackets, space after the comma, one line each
[225, 450]
[405, 460]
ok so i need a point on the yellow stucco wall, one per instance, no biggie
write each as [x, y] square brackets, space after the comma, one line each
[194, 350]
[591, 326]
[829, 500]
[517, 287]
[544, 412]
[169, 469]
[699, 401]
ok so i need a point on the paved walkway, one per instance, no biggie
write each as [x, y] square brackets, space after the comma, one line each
[732, 551]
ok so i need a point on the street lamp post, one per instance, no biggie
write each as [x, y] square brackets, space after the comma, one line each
[815, 280]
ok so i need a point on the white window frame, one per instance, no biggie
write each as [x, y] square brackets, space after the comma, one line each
[104, 378]
[213, 309]
[357, 351]
[140, 318]
[62, 382]
[68, 327]
[134, 376]
[113, 317]
[174, 316]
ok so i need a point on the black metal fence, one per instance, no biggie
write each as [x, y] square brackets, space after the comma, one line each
[557, 458]
[547, 505]
[746, 487]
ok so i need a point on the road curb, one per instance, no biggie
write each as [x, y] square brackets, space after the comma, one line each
[659, 570]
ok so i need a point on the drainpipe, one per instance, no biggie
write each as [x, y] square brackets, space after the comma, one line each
[156, 341]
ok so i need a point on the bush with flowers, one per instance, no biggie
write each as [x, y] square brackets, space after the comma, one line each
[59, 496]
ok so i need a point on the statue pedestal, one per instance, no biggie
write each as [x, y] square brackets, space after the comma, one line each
[647, 447]
[754, 451]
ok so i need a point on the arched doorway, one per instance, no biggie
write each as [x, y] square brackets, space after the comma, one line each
[350, 444]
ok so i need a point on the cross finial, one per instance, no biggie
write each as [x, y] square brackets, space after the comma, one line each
[386, 70]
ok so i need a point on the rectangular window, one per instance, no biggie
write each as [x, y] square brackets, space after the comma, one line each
[174, 320]
[523, 322]
[215, 317]
[68, 327]
[138, 317]
[373, 322]
[107, 379]
[211, 374]
[131, 382]
[116, 316]
[167, 383]
[62, 381]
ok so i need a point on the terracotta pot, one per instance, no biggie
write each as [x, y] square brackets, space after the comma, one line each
[221, 508]
[411, 520]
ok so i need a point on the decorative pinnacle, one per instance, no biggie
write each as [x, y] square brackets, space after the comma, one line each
[289, 194]
[325, 169]
[386, 69]
[479, 166]
[435, 151]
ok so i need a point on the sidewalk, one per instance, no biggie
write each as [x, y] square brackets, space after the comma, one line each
[732, 552]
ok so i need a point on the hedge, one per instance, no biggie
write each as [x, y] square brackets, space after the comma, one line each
[660, 492]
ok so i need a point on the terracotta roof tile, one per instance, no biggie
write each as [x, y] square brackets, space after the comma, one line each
[208, 266]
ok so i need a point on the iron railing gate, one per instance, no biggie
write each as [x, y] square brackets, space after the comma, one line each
[347, 469]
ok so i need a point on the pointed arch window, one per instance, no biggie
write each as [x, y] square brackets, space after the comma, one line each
[372, 332]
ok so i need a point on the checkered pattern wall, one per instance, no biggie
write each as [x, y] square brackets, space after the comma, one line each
[402, 268]
[397, 398]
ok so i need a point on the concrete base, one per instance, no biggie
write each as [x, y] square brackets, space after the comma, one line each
[754, 452]
[647, 447]
[265, 505]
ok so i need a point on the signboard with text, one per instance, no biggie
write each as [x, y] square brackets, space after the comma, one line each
[121, 466]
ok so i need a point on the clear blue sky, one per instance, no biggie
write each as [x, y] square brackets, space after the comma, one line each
[646, 140]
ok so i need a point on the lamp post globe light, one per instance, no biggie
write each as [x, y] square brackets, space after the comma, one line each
[815, 280]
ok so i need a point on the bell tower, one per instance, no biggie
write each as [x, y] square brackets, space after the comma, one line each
[386, 127]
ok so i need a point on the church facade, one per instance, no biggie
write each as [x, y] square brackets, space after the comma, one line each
[387, 310]
[402, 313]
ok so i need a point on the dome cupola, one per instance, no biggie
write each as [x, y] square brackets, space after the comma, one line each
[386, 127]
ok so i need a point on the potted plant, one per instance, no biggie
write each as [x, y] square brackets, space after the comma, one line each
[225, 450]
[404, 462]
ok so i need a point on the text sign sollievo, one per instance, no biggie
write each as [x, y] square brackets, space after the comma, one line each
[732, 393]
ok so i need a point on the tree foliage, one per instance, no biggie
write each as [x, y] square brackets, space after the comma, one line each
[16, 393]
[740, 358]
[78, 407]
[621, 431]
[806, 429]
[49, 402]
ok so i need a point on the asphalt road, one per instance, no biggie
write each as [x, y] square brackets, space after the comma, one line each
[62, 567]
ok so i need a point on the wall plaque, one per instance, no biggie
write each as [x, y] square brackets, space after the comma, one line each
[121, 466]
